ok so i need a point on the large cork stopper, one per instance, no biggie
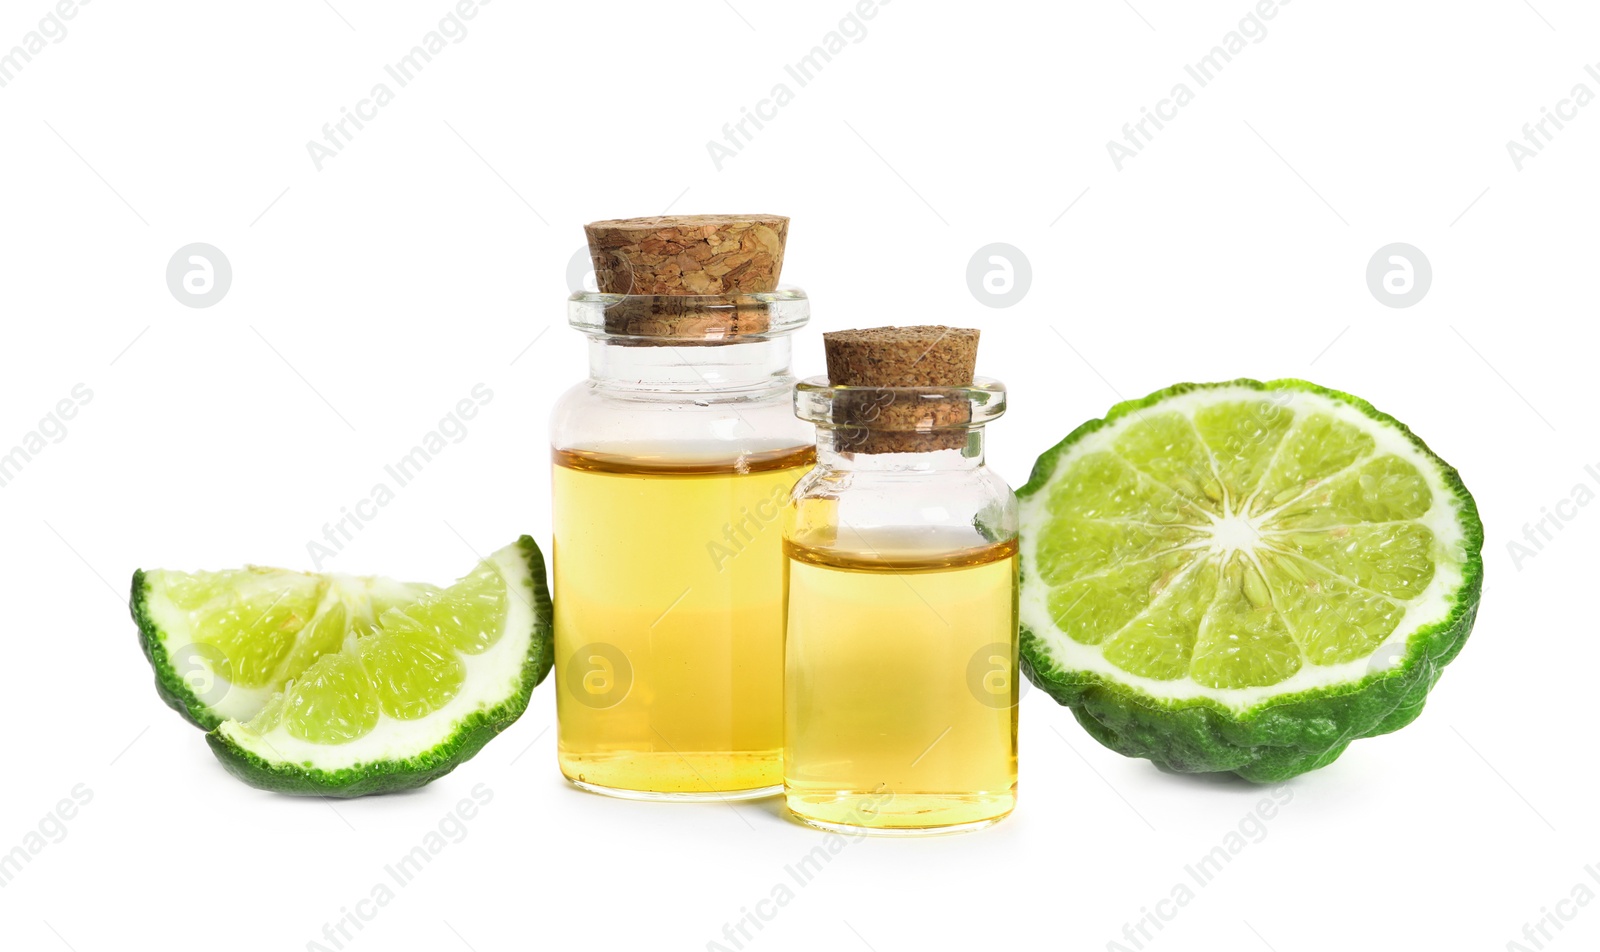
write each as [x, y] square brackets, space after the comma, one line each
[688, 254]
[899, 357]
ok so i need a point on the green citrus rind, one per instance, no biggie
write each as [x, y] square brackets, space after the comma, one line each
[1285, 735]
[169, 685]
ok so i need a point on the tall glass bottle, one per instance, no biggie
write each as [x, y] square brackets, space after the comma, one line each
[901, 606]
[672, 464]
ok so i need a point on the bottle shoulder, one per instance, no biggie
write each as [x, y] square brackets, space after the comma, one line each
[605, 419]
[979, 482]
[847, 505]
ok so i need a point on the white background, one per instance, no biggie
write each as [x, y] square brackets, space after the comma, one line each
[370, 296]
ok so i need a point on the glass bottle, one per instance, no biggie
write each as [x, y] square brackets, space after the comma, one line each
[900, 592]
[672, 464]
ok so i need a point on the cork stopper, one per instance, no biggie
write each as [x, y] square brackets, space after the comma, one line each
[927, 356]
[682, 256]
[900, 357]
[688, 254]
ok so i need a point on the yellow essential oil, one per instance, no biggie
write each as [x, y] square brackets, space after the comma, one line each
[900, 712]
[669, 621]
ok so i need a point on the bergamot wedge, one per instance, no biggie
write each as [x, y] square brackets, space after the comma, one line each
[343, 686]
[1245, 576]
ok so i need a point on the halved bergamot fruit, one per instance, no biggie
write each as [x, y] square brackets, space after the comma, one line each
[344, 686]
[1245, 576]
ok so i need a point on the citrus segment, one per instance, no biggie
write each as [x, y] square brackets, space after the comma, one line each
[1159, 643]
[1242, 641]
[467, 615]
[1242, 435]
[1104, 486]
[1317, 447]
[1333, 620]
[1091, 609]
[252, 618]
[414, 672]
[1076, 546]
[1167, 448]
[332, 703]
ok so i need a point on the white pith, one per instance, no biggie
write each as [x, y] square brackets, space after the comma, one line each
[1237, 532]
[491, 678]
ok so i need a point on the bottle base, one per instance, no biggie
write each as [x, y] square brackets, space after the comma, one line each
[899, 831]
[689, 775]
[900, 816]
[657, 796]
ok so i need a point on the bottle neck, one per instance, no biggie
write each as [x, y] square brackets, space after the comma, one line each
[835, 452]
[734, 366]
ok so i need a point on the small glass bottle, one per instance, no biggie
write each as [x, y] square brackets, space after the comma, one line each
[672, 465]
[901, 607]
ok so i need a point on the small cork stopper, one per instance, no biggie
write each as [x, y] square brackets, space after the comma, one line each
[927, 356]
[687, 255]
